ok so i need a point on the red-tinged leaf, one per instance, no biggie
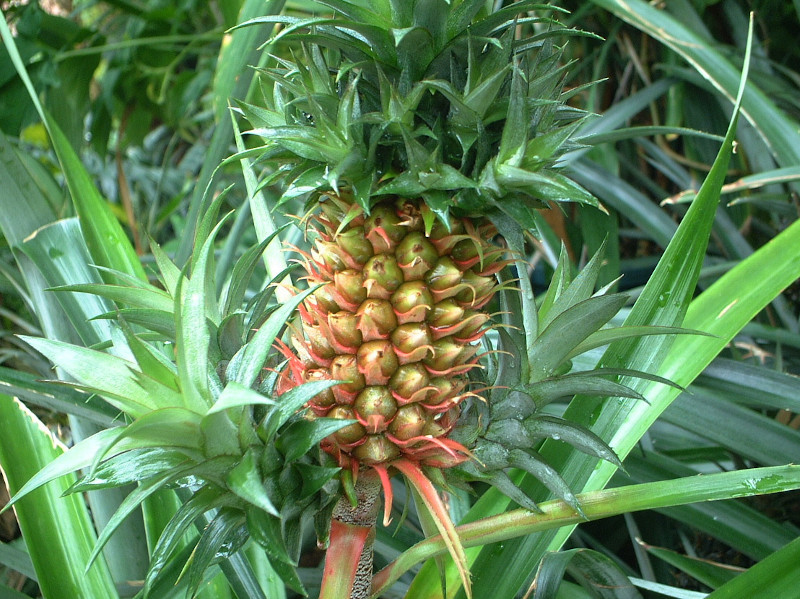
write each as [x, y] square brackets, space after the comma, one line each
[341, 561]
[436, 508]
[388, 493]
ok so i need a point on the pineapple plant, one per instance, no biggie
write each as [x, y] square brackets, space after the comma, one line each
[422, 138]
[258, 449]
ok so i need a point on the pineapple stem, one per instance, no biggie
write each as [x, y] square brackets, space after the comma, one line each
[348, 564]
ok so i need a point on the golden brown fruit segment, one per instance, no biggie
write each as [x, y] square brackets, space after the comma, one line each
[397, 317]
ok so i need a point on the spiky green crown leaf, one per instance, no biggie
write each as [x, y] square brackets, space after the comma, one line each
[420, 98]
[505, 432]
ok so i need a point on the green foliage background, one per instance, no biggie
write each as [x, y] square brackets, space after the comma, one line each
[136, 97]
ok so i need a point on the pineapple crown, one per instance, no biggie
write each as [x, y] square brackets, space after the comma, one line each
[443, 100]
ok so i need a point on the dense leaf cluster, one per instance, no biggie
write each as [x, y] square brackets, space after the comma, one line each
[432, 99]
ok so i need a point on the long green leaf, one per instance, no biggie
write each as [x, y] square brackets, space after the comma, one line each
[246, 365]
[232, 79]
[775, 576]
[709, 573]
[31, 390]
[733, 523]
[599, 504]
[59, 252]
[104, 236]
[779, 132]
[115, 379]
[57, 530]
[263, 222]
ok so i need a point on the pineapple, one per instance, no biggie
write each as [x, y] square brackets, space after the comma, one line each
[397, 314]
[408, 127]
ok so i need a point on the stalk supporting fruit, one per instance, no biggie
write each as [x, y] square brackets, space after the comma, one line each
[362, 515]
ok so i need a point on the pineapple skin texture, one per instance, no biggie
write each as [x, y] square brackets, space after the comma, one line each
[397, 316]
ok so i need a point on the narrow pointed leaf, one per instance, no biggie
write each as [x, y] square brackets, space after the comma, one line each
[114, 378]
[205, 499]
[568, 330]
[301, 436]
[132, 501]
[193, 336]
[710, 573]
[79, 456]
[248, 362]
[548, 390]
[593, 570]
[175, 427]
[578, 436]
[58, 530]
[290, 402]
[246, 481]
[60, 398]
[130, 297]
[235, 395]
[223, 536]
[774, 576]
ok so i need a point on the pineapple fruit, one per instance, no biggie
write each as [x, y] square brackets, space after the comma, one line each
[409, 128]
[397, 315]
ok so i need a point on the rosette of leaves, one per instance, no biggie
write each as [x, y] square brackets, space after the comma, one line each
[571, 318]
[189, 372]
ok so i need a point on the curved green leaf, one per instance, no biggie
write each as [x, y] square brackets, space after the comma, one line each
[774, 576]
[57, 529]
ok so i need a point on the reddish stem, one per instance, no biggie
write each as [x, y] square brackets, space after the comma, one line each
[348, 563]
